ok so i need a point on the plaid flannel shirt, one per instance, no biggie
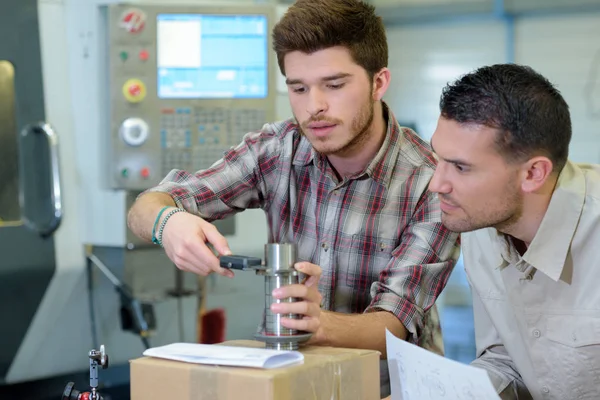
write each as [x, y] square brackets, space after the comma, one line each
[377, 235]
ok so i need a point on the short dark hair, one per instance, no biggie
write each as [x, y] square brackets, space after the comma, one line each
[312, 25]
[531, 116]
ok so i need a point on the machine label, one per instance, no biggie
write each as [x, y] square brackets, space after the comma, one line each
[133, 20]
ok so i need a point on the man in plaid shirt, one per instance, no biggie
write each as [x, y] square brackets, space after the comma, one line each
[342, 180]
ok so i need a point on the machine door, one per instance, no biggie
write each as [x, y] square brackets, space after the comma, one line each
[30, 206]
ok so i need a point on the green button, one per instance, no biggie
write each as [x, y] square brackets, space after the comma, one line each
[123, 55]
[124, 173]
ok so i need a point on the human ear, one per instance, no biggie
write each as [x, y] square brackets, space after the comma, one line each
[381, 82]
[535, 173]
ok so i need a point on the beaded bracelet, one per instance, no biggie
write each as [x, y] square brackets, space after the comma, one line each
[164, 222]
[154, 239]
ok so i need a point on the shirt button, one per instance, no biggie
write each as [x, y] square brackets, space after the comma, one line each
[545, 389]
[536, 333]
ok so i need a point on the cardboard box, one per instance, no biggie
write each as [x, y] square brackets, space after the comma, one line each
[327, 374]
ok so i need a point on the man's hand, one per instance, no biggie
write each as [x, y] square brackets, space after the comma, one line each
[309, 304]
[185, 237]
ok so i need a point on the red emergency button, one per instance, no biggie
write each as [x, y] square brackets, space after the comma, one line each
[144, 55]
[145, 172]
[134, 89]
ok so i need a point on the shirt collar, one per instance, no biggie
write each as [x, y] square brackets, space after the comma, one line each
[505, 253]
[304, 151]
[550, 246]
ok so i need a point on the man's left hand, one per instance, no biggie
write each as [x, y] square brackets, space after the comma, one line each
[309, 303]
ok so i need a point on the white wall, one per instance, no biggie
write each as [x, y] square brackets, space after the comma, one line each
[423, 58]
[566, 50]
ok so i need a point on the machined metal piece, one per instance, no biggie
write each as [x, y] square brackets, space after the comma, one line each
[280, 258]
[283, 342]
[278, 270]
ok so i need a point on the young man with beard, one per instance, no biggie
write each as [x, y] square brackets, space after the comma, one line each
[533, 219]
[342, 180]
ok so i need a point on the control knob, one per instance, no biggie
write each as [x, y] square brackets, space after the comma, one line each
[134, 131]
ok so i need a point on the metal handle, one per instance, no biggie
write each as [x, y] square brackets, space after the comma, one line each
[51, 226]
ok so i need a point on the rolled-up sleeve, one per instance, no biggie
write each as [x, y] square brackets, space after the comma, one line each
[419, 268]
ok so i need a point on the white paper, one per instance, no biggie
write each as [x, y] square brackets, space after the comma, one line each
[226, 355]
[418, 374]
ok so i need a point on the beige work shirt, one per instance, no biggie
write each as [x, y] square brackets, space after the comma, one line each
[537, 317]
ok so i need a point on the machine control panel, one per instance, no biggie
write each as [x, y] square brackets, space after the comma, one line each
[186, 83]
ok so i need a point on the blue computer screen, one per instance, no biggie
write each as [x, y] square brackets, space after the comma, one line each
[212, 56]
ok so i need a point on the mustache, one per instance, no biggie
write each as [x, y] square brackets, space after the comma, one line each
[333, 121]
[447, 199]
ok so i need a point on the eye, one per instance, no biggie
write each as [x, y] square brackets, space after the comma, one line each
[460, 168]
[299, 89]
[336, 86]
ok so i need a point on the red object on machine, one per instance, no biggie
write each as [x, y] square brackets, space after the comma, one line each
[213, 327]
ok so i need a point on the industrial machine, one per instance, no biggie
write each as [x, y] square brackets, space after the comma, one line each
[125, 93]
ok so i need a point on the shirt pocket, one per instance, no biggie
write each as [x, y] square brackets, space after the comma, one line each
[366, 258]
[574, 331]
[573, 354]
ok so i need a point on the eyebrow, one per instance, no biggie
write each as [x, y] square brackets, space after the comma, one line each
[455, 161]
[324, 79]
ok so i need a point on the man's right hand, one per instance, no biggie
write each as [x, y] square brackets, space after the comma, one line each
[185, 237]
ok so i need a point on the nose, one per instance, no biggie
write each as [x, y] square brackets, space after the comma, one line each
[438, 182]
[317, 102]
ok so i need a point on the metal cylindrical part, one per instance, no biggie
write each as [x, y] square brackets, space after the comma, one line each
[291, 345]
[280, 258]
[273, 321]
[279, 263]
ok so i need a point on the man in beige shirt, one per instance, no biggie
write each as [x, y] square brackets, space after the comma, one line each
[533, 217]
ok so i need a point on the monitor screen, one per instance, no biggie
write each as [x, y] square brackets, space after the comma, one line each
[212, 56]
